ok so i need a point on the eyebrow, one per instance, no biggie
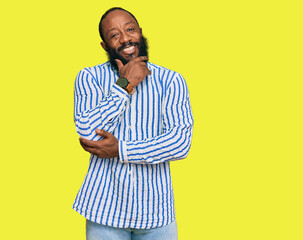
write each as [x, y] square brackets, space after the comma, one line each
[115, 28]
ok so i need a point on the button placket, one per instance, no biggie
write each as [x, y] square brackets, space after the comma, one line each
[129, 135]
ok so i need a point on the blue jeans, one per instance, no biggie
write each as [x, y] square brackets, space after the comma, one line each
[95, 231]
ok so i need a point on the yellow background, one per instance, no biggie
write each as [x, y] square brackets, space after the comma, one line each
[242, 61]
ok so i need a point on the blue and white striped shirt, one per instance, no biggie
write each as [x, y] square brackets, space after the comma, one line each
[154, 126]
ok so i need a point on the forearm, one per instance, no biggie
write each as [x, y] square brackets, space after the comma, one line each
[170, 146]
[96, 109]
[175, 141]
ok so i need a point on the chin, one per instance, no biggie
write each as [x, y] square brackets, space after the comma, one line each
[131, 56]
[125, 60]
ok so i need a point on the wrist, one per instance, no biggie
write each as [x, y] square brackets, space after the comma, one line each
[125, 84]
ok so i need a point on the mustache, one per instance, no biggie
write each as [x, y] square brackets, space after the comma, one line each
[113, 53]
[127, 45]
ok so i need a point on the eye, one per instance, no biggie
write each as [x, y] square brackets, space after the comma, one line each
[130, 29]
[114, 35]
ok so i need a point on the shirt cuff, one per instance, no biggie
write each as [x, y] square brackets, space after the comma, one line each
[122, 152]
[120, 92]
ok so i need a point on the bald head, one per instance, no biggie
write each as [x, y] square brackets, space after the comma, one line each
[101, 28]
[121, 36]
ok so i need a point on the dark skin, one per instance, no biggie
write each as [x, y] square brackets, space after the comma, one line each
[119, 28]
[105, 148]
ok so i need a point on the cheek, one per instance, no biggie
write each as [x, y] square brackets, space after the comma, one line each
[113, 43]
[135, 36]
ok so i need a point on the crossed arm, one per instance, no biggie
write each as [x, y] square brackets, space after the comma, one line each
[135, 71]
[104, 148]
[173, 144]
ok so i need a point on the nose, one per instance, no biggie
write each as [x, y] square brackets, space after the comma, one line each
[125, 38]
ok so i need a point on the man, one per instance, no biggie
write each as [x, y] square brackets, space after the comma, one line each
[134, 117]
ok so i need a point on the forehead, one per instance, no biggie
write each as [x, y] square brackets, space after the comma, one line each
[115, 19]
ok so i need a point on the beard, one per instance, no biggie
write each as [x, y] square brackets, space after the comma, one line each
[112, 54]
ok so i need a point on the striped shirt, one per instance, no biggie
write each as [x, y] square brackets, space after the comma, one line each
[153, 126]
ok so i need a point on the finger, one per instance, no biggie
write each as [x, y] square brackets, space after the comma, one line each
[94, 151]
[140, 59]
[143, 64]
[88, 149]
[88, 143]
[85, 147]
[119, 64]
[103, 133]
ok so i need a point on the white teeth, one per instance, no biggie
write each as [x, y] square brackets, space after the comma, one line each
[129, 48]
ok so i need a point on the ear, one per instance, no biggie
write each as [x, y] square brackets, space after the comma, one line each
[140, 30]
[104, 46]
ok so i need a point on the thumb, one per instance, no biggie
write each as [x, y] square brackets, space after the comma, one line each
[119, 64]
[103, 133]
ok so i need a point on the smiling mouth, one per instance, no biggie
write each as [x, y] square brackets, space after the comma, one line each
[128, 50]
